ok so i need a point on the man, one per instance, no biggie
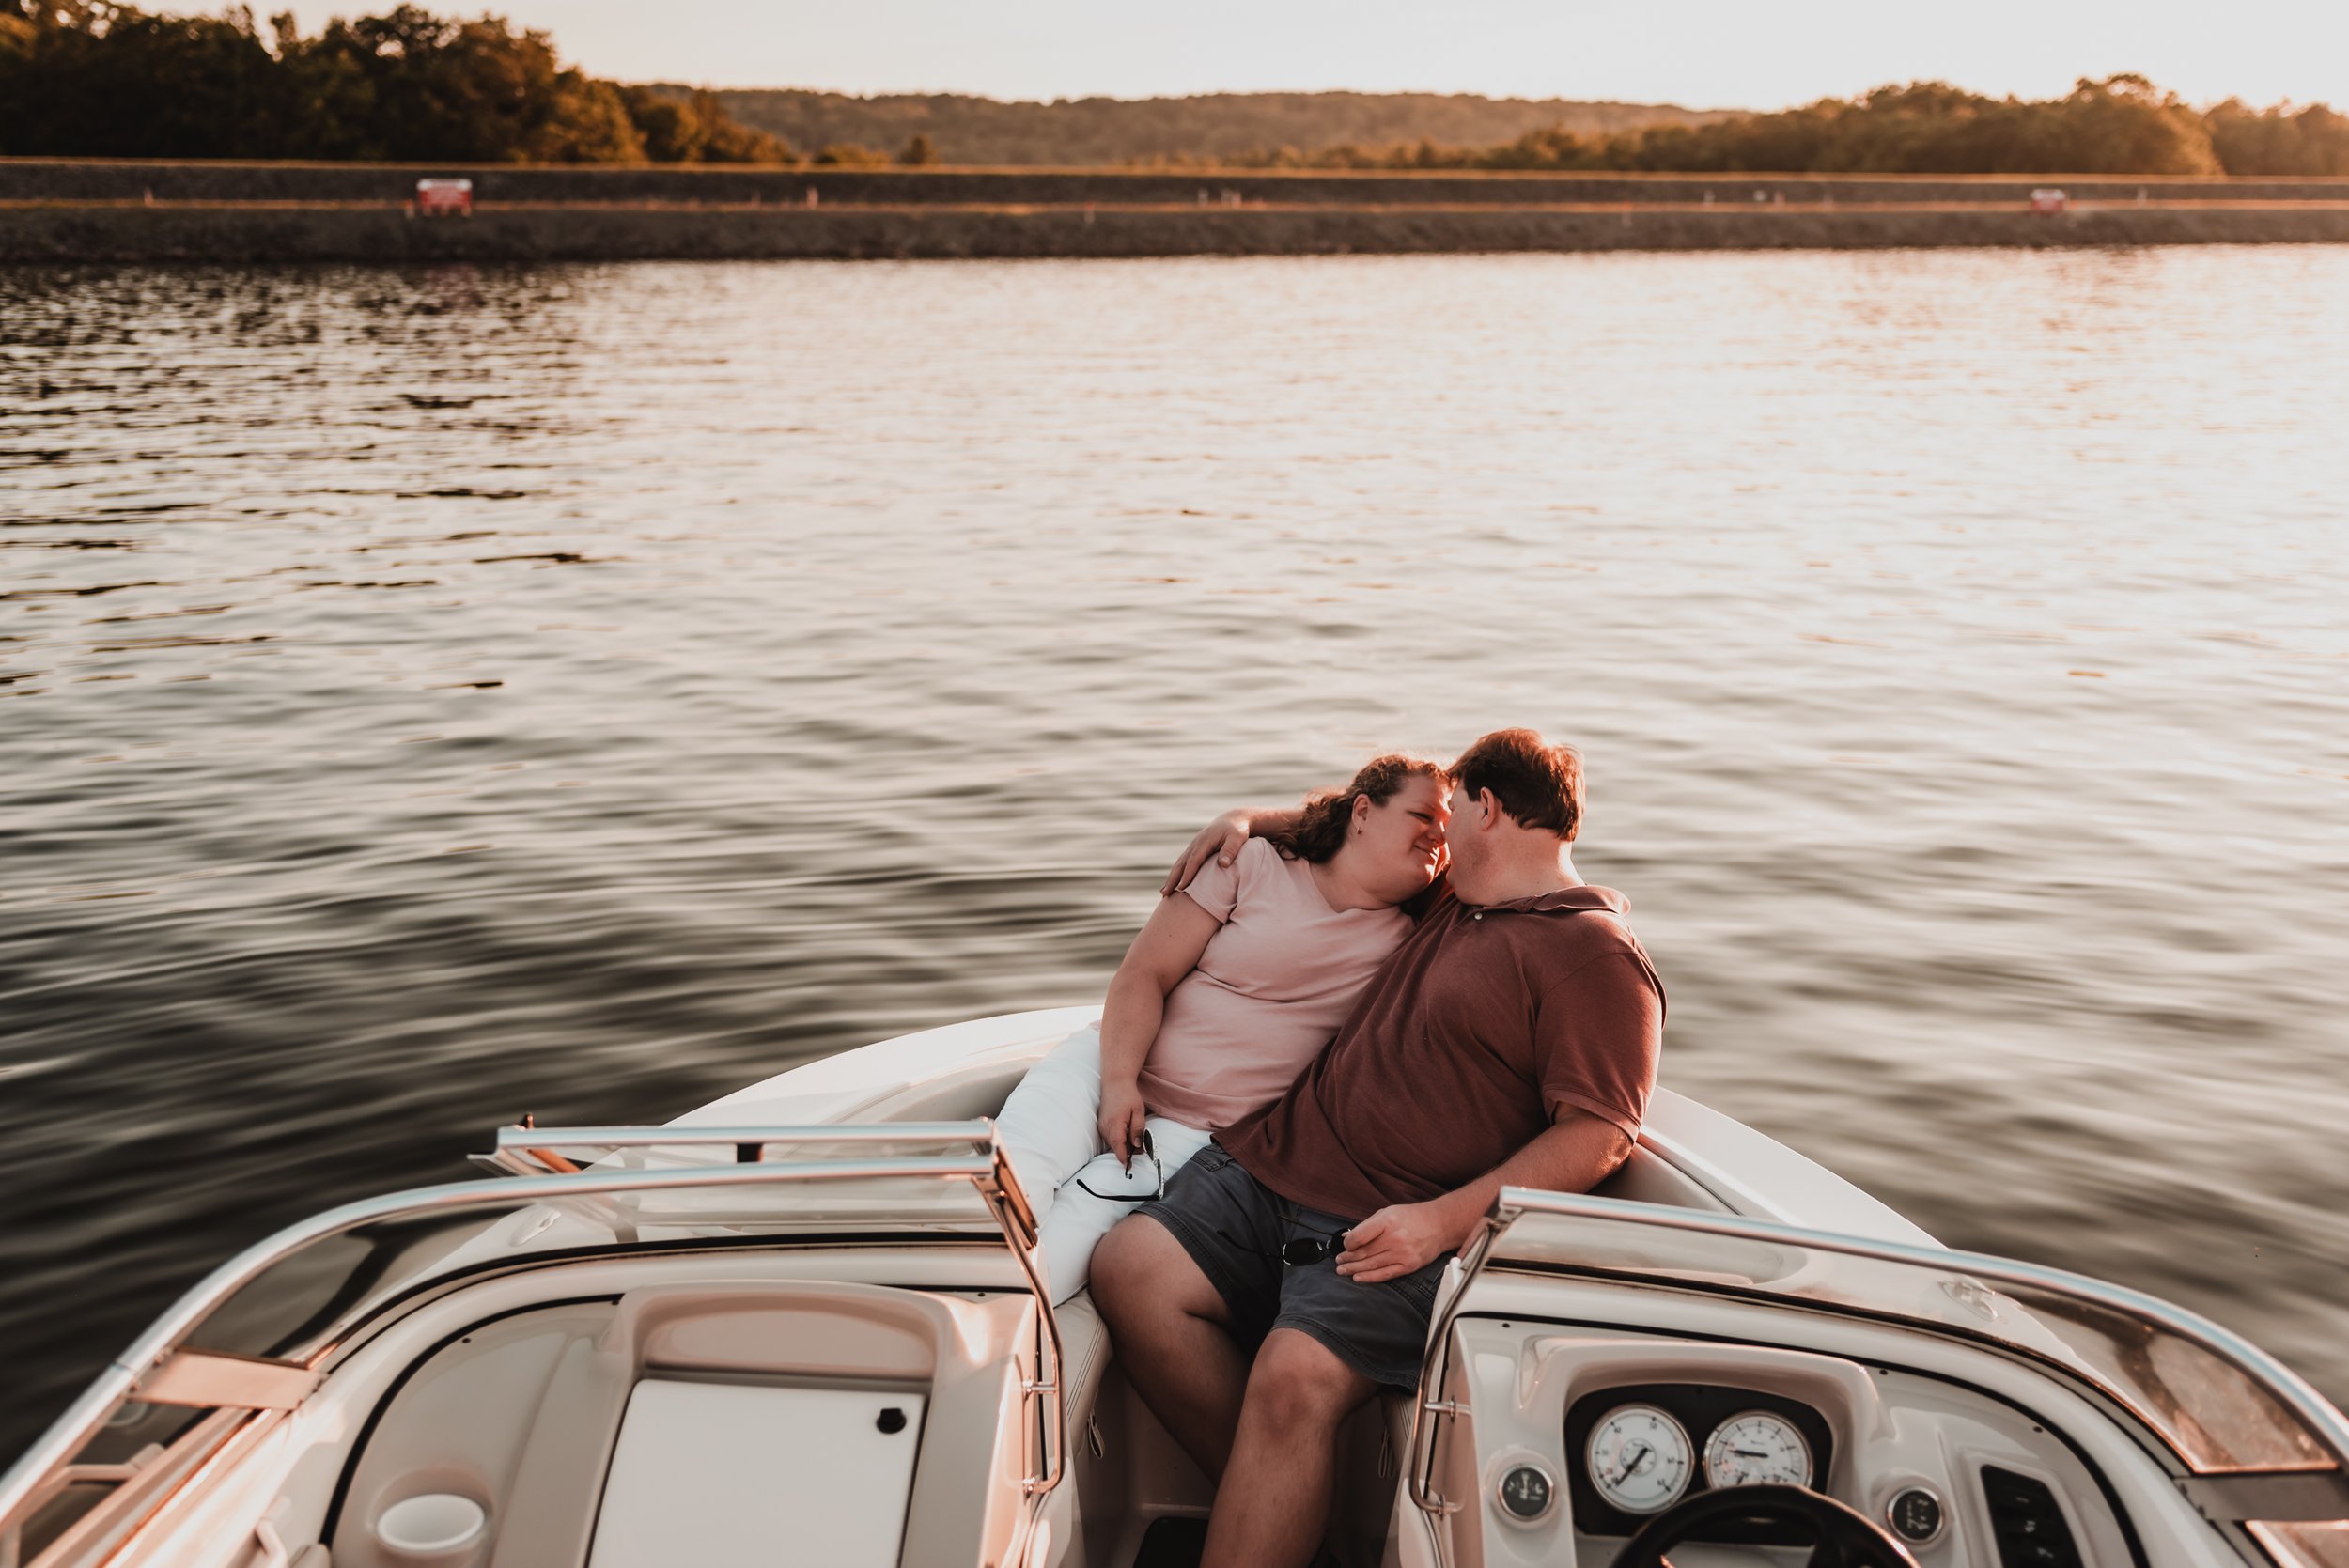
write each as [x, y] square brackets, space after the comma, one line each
[1512, 1040]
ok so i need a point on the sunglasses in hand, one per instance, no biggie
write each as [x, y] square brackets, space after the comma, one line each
[1144, 1149]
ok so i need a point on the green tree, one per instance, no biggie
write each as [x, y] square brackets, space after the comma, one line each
[589, 124]
[106, 81]
[2118, 124]
[697, 128]
[2125, 125]
[443, 90]
[850, 155]
[2283, 140]
[672, 128]
[726, 139]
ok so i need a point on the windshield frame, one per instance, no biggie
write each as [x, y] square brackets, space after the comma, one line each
[970, 1151]
[1488, 1250]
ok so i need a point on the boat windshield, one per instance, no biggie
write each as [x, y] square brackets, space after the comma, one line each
[631, 1200]
[2219, 1403]
[250, 1336]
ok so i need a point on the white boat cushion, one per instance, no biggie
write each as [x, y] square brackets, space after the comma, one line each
[1084, 1355]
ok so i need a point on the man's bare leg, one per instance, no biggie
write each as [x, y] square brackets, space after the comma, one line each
[1167, 1323]
[1274, 1501]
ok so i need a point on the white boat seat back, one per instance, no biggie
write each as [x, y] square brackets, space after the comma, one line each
[981, 1089]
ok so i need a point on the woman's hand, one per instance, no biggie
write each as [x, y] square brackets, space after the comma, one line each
[1122, 1118]
[1218, 841]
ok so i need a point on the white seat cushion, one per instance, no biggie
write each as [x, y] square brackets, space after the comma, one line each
[1084, 1355]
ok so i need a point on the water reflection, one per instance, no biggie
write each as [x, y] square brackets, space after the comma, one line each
[431, 696]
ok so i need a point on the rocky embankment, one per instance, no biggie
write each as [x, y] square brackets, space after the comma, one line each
[69, 210]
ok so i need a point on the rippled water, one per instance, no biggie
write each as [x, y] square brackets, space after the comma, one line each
[430, 695]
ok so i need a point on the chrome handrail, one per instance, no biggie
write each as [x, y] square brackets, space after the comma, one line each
[978, 1134]
[2316, 1414]
[1013, 1212]
[1427, 1406]
[529, 1150]
[986, 1167]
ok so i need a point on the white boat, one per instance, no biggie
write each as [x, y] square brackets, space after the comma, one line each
[802, 1325]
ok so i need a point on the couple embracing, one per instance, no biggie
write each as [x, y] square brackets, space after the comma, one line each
[1319, 1063]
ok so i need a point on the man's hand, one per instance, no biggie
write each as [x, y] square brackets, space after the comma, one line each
[1218, 841]
[1122, 1118]
[1396, 1241]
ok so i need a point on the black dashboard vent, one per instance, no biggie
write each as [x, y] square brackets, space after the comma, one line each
[2027, 1521]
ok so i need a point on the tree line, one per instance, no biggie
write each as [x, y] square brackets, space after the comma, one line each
[99, 78]
[2121, 125]
[92, 78]
[1213, 128]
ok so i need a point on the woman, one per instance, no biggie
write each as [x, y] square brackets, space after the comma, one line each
[1231, 989]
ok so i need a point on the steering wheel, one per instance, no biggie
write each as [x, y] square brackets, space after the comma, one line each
[1840, 1536]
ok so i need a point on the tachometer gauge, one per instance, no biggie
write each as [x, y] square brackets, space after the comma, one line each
[1757, 1449]
[1640, 1458]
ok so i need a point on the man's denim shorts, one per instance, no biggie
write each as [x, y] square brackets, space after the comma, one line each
[1235, 1227]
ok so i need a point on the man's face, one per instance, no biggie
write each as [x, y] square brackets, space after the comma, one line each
[1468, 841]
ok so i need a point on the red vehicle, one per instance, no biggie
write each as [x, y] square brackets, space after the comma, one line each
[2049, 199]
[440, 198]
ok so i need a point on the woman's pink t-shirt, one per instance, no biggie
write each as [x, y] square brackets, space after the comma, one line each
[1270, 990]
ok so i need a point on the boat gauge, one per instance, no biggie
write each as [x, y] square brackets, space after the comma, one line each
[1757, 1449]
[1640, 1458]
[1525, 1493]
[1915, 1514]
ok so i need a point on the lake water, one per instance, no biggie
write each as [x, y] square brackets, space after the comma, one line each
[431, 696]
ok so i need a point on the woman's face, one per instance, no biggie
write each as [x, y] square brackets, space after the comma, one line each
[1400, 842]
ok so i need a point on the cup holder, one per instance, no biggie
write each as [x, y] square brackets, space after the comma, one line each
[434, 1529]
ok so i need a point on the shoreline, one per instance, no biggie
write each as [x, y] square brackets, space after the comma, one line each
[67, 231]
[148, 210]
[791, 185]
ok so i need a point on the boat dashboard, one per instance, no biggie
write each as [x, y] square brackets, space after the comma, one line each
[1571, 1441]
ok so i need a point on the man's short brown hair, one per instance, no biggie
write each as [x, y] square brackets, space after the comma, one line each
[1538, 785]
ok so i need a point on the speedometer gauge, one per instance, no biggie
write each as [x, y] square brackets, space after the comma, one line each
[1757, 1449]
[1640, 1458]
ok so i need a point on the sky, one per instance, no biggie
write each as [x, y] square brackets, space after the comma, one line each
[1701, 53]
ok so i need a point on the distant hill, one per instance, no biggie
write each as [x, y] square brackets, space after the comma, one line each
[1111, 131]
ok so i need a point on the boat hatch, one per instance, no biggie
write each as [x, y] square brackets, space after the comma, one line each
[2240, 1425]
[258, 1334]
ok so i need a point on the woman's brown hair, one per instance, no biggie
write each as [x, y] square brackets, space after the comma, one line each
[1320, 831]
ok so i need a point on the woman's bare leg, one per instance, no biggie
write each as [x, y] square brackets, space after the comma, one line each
[1170, 1332]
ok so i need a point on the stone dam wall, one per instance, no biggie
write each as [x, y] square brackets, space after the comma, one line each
[53, 211]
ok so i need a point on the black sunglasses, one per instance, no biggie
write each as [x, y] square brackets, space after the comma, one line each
[1148, 1151]
[1296, 1253]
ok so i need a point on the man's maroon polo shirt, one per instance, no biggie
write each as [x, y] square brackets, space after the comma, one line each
[1483, 1023]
